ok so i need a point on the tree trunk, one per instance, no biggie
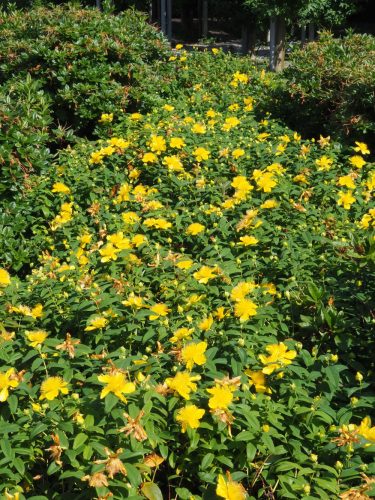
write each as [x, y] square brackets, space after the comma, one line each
[311, 32]
[163, 16]
[204, 18]
[303, 35]
[272, 35]
[169, 19]
[187, 19]
[248, 38]
[280, 44]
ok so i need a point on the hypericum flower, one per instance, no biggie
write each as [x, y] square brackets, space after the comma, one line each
[173, 163]
[189, 417]
[7, 379]
[168, 107]
[265, 181]
[130, 217]
[240, 291]
[96, 323]
[60, 187]
[205, 274]
[119, 241]
[247, 241]
[346, 199]
[117, 384]
[245, 308]
[138, 240]
[362, 148]
[195, 228]
[258, 379]
[237, 153]
[185, 264]
[269, 204]
[52, 387]
[149, 158]
[346, 181]
[222, 396]
[159, 310]
[182, 333]
[229, 489]
[198, 128]
[230, 122]
[157, 223]
[193, 354]
[35, 312]
[201, 154]
[183, 383]
[4, 277]
[118, 142]
[157, 144]
[37, 337]
[177, 142]
[96, 157]
[206, 323]
[365, 430]
[279, 356]
[106, 118]
[133, 301]
[357, 161]
[324, 163]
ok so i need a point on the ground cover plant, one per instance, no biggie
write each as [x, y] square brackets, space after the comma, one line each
[199, 320]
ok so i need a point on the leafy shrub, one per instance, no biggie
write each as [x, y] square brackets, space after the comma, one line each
[329, 87]
[84, 59]
[193, 241]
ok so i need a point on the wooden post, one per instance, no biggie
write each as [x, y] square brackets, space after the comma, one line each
[272, 44]
[204, 18]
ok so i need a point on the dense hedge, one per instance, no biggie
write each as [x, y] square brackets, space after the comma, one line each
[329, 88]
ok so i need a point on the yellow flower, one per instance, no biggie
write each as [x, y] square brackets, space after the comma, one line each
[182, 333]
[7, 380]
[117, 142]
[366, 430]
[149, 158]
[157, 223]
[4, 277]
[258, 379]
[179, 46]
[279, 356]
[185, 264]
[168, 107]
[136, 117]
[119, 241]
[51, 388]
[205, 274]
[96, 157]
[194, 354]
[357, 161]
[189, 417]
[183, 383]
[215, 51]
[230, 123]
[195, 228]
[222, 396]
[117, 384]
[229, 489]
[159, 310]
[177, 142]
[264, 180]
[130, 217]
[173, 163]
[133, 301]
[244, 309]
[37, 337]
[96, 323]
[201, 154]
[106, 118]
[269, 204]
[346, 199]
[324, 163]
[237, 153]
[346, 181]
[206, 323]
[157, 144]
[138, 240]
[362, 148]
[60, 187]
[108, 252]
[247, 240]
[198, 128]
[240, 291]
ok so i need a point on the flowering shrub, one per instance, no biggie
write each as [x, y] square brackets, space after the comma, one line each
[199, 317]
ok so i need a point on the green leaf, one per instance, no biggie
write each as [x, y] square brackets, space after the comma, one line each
[79, 440]
[151, 491]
